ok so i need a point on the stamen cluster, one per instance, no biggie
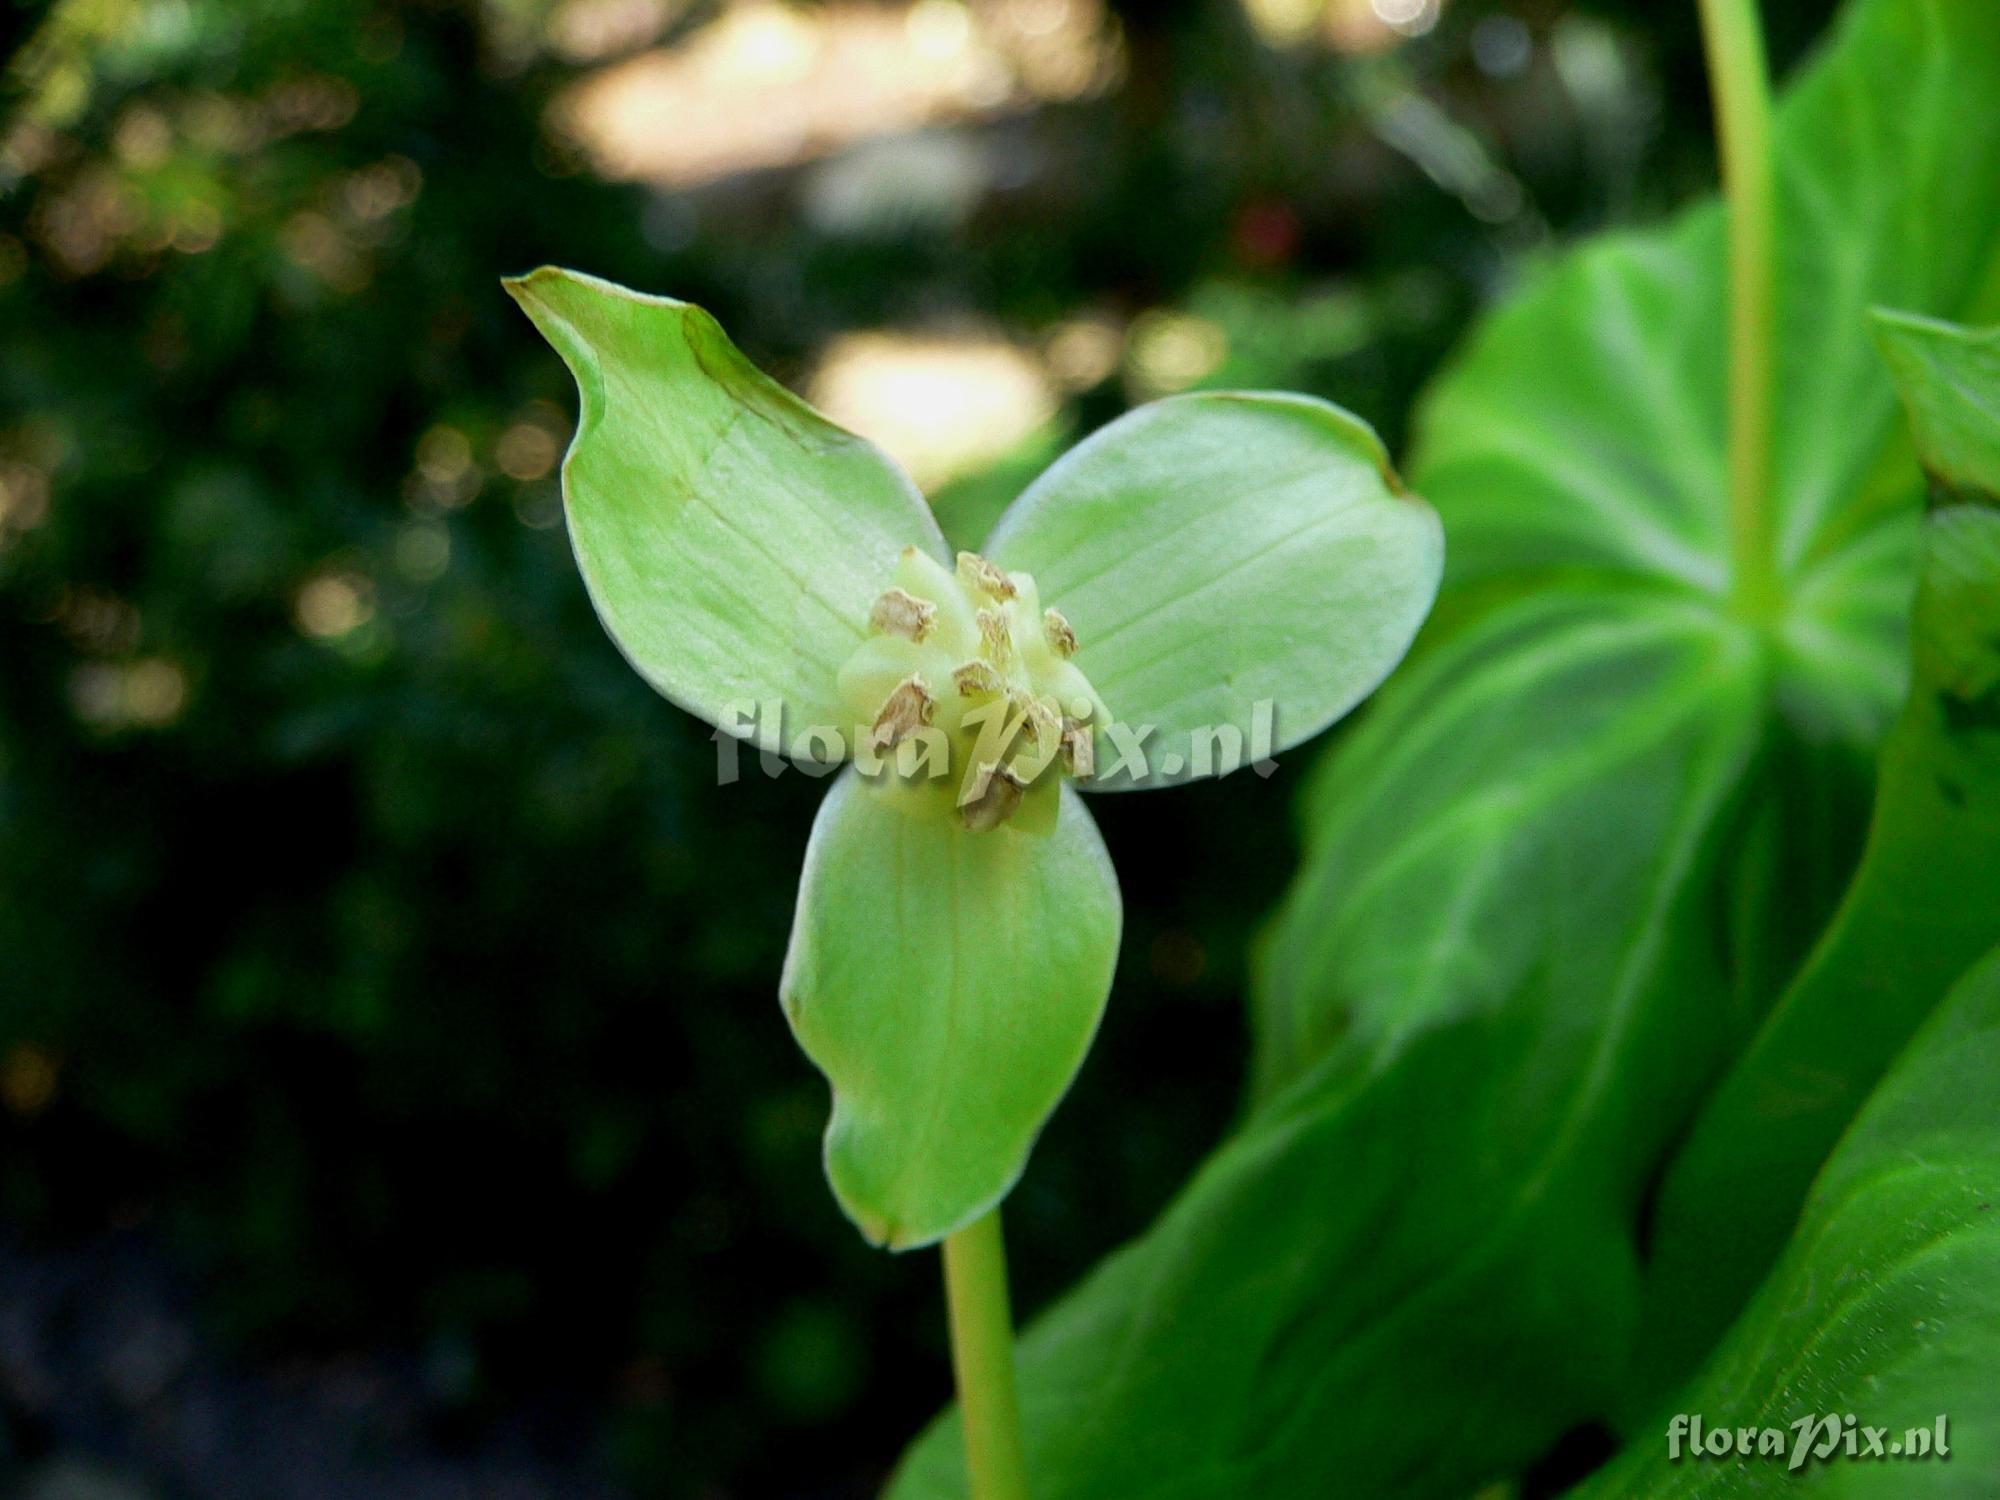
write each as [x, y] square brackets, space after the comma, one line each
[966, 684]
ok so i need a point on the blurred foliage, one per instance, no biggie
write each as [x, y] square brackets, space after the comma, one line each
[370, 931]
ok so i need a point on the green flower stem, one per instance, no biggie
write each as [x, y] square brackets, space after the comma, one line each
[1733, 40]
[982, 1358]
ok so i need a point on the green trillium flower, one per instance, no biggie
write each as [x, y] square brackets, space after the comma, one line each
[1206, 581]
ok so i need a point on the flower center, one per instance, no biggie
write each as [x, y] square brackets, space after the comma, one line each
[965, 690]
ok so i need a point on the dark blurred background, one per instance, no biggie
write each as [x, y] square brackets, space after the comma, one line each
[393, 1096]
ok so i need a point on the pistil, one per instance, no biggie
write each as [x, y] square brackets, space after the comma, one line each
[1017, 704]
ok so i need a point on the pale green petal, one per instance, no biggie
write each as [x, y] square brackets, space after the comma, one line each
[948, 985]
[731, 537]
[1216, 552]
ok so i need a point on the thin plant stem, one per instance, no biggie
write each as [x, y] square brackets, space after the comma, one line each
[982, 1359]
[1733, 41]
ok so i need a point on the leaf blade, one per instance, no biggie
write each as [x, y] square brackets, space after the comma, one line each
[1950, 380]
[1885, 1302]
[1924, 904]
[1304, 1316]
[1514, 1355]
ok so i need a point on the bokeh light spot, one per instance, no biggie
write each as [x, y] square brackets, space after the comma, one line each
[941, 406]
[334, 604]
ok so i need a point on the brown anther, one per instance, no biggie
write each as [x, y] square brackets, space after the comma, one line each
[976, 679]
[1079, 749]
[904, 614]
[991, 799]
[908, 707]
[1062, 639]
[996, 637]
[975, 572]
[1037, 717]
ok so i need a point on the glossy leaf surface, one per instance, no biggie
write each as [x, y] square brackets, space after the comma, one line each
[1924, 904]
[1886, 1303]
[1498, 990]
[1950, 382]
[1324, 1287]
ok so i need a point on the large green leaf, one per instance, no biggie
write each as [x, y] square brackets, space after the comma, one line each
[948, 984]
[1226, 556]
[1950, 380]
[1499, 986]
[731, 537]
[1584, 429]
[1886, 1303]
[1310, 1316]
[1924, 904]
[1578, 443]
